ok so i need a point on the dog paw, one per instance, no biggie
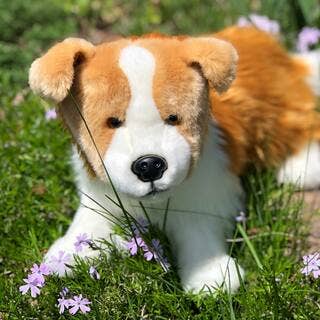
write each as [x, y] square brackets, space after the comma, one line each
[61, 255]
[219, 273]
[302, 169]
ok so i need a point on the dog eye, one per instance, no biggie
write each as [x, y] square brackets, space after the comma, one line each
[114, 123]
[172, 119]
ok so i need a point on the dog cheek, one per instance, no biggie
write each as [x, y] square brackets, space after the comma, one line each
[178, 154]
[118, 159]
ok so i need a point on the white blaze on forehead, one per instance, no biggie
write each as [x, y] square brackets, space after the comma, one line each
[138, 64]
[144, 132]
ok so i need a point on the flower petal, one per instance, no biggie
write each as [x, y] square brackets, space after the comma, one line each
[84, 308]
[74, 309]
[23, 289]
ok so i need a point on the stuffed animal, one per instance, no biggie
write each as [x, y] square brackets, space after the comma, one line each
[182, 118]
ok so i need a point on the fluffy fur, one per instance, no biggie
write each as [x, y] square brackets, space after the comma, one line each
[302, 169]
[269, 112]
[267, 115]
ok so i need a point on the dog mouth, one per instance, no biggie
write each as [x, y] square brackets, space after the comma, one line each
[154, 190]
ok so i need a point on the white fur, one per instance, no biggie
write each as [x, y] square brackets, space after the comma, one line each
[144, 132]
[202, 207]
[312, 59]
[197, 224]
[303, 169]
[205, 218]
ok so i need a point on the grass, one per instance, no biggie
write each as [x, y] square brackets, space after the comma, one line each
[38, 199]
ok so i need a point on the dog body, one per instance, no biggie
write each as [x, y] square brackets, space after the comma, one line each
[163, 128]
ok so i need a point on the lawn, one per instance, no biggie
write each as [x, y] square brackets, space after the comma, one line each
[38, 197]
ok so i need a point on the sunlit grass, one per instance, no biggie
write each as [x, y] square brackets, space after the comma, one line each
[38, 199]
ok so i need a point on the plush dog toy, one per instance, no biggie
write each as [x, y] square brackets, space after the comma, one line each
[167, 122]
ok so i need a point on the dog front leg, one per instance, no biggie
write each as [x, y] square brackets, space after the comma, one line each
[201, 251]
[85, 221]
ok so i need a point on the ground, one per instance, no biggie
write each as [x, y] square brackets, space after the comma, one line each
[311, 215]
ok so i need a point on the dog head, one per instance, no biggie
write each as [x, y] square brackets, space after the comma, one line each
[144, 101]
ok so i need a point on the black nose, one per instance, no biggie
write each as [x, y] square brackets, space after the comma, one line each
[149, 168]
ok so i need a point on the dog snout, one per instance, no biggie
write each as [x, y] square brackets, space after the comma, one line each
[149, 167]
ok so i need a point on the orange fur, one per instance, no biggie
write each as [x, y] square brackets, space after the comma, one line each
[269, 111]
[267, 114]
[179, 87]
[102, 90]
[52, 75]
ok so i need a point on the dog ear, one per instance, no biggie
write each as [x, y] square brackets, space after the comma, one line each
[52, 74]
[216, 58]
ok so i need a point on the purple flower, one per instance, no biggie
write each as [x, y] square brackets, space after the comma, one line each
[32, 284]
[148, 255]
[134, 244]
[63, 304]
[307, 37]
[51, 114]
[79, 303]
[260, 22]
[42, 269]
[94, 273]
[38, 272]
[241, 217]
[165, 264]
[243, 22]
[58, 264]
[140, 226]
[82, 241]
[155, 252]
[311, 265]
[64, 292]
[35, 280]
[157, 247]
[158, 254]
